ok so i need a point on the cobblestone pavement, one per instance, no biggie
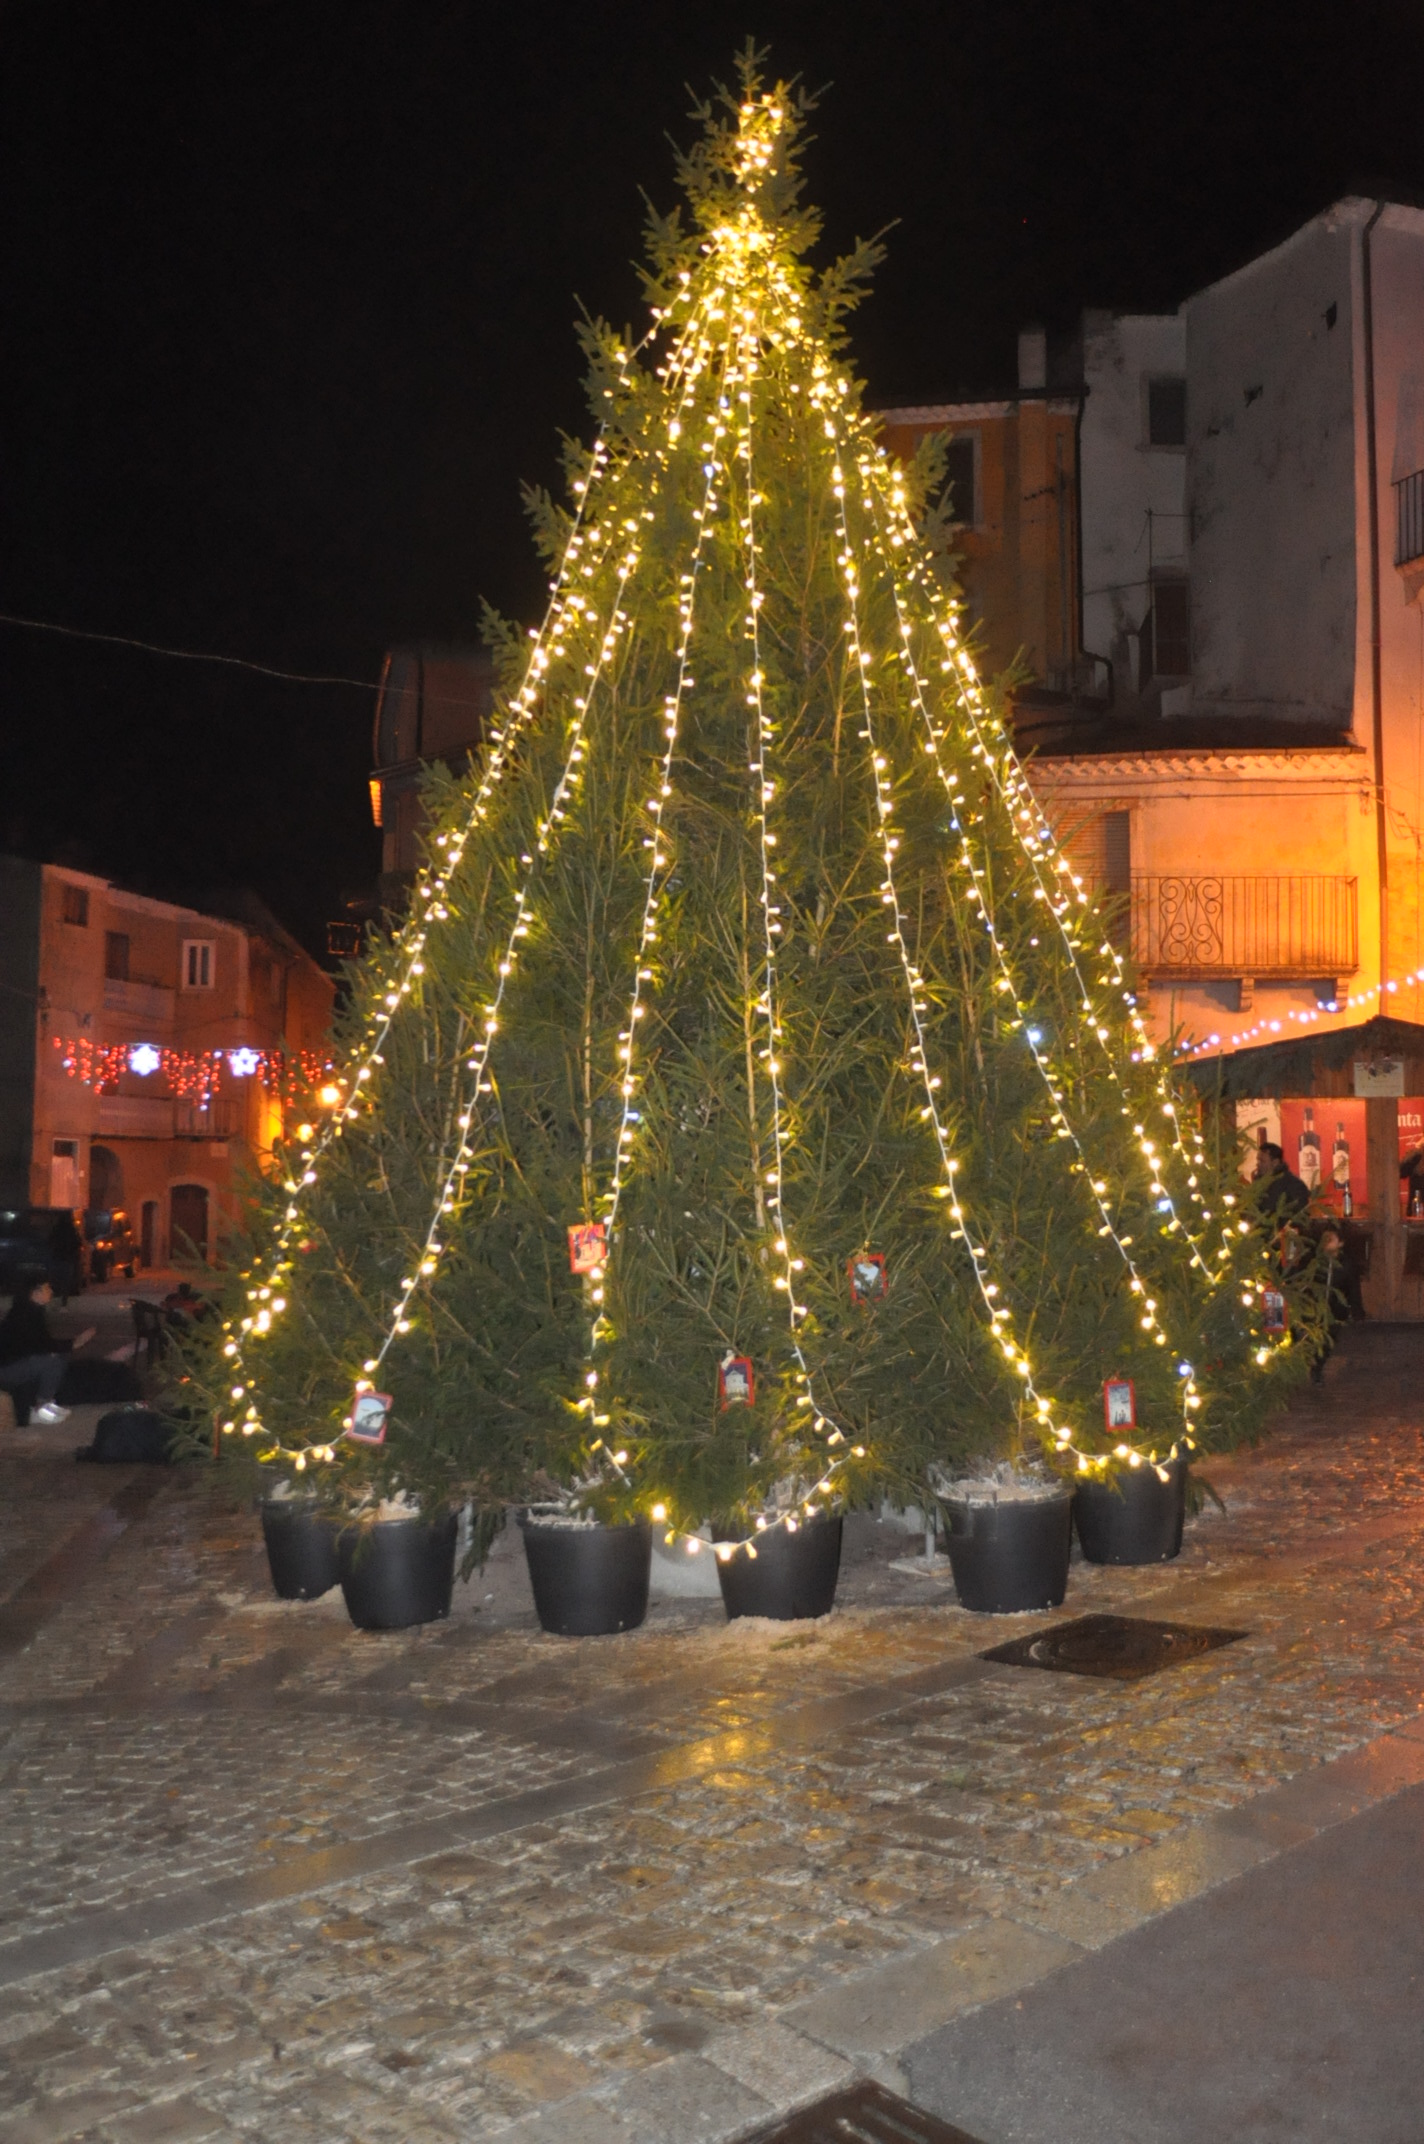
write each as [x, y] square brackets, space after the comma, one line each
[267, 1876]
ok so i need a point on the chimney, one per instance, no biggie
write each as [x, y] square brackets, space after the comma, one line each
[1033, 360]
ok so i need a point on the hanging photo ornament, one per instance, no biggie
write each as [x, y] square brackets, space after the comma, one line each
[1273, 1309]
[867, 1276]
[1119, 1404]
[736, 1381]
[588, 1246]
[370, 1412]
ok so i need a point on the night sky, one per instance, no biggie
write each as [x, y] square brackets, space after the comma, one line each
[287, 302]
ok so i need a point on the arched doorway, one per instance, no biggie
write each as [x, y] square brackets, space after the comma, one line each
[106, 1179]
[187, 1222]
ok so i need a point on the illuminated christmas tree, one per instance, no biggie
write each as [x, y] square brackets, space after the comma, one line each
[753, 1107]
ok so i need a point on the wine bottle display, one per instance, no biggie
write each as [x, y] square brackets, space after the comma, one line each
[1308, 1153]
[1340, 1160]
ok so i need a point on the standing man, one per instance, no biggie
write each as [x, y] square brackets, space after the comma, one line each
[29, 1354]
[1282, 1192]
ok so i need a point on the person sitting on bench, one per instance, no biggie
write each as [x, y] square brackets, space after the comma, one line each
[29, 1354]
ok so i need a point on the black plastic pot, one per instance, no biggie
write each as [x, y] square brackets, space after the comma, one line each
[791, 1577]
[1136, 1517]
[398, 1571]
[301, 1548]
[1012, 1555]
[589, 1581]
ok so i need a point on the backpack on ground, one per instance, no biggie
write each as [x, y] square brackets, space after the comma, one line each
[129, 1436]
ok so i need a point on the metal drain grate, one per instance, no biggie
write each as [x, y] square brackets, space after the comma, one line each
[864, 2114]
[1124, 1647]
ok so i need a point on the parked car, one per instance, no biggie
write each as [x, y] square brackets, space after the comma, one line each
[111, 1242]
[42, 1243]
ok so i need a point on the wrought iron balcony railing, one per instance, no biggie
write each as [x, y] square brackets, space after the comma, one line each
[1253, 927]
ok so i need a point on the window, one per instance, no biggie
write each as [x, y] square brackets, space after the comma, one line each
[959, 481]
[76, 905]
[1166, 632]
[1100, 851]
[1166, 413]
[1409, 518]
[116, 956]
[1117, 851]
[197, 969]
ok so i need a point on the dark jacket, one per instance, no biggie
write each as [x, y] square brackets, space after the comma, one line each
[1282, 1194]
[24, 1331]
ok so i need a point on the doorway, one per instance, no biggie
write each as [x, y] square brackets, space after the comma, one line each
[64, 1173]
[148, 1234]
[106, 1179]
[188, 1222]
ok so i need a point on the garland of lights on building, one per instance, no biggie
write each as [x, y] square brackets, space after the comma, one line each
[1374, 995]
[194, 1075]
[719, 327]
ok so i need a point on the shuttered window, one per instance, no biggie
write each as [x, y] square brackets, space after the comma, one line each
[1100, 850]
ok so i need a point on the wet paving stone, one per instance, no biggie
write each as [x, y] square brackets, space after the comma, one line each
[301, 1880]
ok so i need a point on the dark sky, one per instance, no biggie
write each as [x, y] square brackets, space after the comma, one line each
[286, 306]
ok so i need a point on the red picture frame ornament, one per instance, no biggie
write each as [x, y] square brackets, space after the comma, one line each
[866, 1274]
[369, 1417]
[736, 1381]
[1275, 1318]
[1119, 1413]
[588, 1246]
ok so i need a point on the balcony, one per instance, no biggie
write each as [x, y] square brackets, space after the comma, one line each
[220, 1120]
[151, 1003]
[1263, 929]
[135, 1116]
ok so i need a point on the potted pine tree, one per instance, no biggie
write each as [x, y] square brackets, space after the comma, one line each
[751, 1114]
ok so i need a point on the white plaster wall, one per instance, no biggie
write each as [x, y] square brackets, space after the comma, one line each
[1397, 278]
[1271, 432]
[1122, 479]
[1271, 814]
[71, 979]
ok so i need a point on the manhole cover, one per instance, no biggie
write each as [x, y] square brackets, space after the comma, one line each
[1124, 1647]
[864, 2114]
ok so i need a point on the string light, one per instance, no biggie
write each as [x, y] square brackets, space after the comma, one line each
[996, 1310]
[738, 244]
[745, 300]
[659, 865]
[1374, 994]
[1038, 844]
[761, 732]
[554, 639]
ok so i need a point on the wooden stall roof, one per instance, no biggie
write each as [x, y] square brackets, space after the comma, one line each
[1312, 1064]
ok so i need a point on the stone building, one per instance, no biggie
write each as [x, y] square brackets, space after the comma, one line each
[145, 1050]
[1011, 466]
[1226, 716]
[433, 705]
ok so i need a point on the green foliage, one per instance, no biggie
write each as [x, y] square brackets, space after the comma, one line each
[1041, 1082]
